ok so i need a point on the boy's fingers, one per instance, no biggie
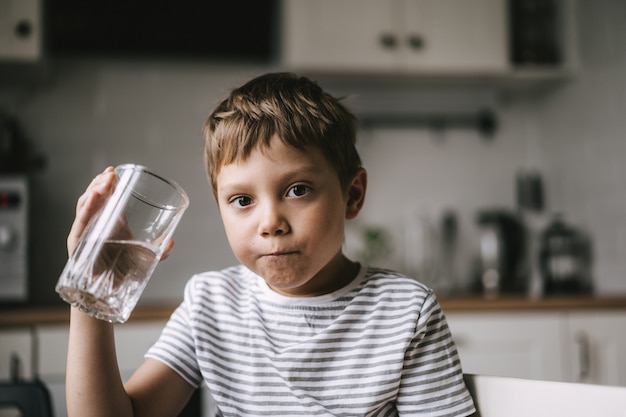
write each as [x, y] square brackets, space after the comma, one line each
[89, 203]
[168, 248]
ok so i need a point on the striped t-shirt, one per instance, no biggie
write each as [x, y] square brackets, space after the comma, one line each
[377, 347]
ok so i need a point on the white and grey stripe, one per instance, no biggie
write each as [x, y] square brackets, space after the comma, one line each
[379, 347]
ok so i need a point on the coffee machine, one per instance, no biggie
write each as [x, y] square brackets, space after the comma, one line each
[17, 161]
[13, 238]
[500, 261]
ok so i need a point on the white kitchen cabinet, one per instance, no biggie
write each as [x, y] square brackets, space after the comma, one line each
[456, 35]
[509, 344]
[16, 343]
[596, 347]
[578, 346]
[52, 350]
[132, 341]
[408, 36]
[21, 31]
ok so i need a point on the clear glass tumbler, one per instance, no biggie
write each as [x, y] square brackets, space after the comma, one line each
[123, 243]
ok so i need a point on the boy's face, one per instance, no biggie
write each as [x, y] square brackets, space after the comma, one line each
[284, 212]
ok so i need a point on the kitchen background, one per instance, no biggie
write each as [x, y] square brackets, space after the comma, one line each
[88, 113]
[83, 113]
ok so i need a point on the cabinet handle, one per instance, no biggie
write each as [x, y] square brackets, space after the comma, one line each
[15, 369]
[582, 340]
[388, 41]
[416, 42]
[23, 29]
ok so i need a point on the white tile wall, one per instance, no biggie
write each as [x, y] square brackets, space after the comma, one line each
[97, 113]
[417, 172]
[583, 129]
[93, 114]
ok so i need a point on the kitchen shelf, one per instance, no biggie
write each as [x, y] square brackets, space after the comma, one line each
[33, 316]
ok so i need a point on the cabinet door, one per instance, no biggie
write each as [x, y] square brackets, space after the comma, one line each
[597, 348]
[16, 343]
[523, 345]
[52, 357]
[20, 30]
[132, 340]
[339, 35]
[455, 35]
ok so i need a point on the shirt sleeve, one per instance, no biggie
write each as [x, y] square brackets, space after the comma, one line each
[432, 379]
[176, 345]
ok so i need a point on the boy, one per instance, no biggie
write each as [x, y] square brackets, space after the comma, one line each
[298, 328]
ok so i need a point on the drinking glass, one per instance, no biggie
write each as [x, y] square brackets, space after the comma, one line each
[122, 244]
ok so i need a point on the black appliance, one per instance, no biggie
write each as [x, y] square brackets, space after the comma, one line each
[17, 162]
[500, 264]
[565, 259]
[13, 238]
[534, 27]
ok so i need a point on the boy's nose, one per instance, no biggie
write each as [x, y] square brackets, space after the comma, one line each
[272, 222]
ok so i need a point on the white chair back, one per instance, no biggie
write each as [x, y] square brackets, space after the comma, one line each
[513, 397]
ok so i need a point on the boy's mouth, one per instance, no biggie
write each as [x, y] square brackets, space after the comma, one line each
[280, 253]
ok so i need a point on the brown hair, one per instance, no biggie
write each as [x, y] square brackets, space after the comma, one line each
[293, 108]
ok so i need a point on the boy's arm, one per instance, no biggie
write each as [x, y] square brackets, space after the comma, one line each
[156, 390]
[94, 386]
[93, 382]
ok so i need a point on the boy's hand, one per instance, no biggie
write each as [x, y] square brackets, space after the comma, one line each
[88, 205]
[90, 202]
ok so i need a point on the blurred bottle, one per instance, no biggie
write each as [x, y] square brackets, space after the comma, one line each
[421, 247]
[447, 275]
[531, 203]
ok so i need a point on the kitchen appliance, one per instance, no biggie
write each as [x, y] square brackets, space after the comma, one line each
[18, 161]
[565, 259]
[533, 36]
[13, 238]
[500, 266]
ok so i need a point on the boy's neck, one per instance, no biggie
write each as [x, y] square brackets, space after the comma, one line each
[333, 277]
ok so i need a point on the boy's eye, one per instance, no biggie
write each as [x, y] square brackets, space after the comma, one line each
[241, 201]
[298, 190]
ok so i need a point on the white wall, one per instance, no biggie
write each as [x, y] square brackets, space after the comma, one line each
[583, 129]
[576, 135]
[417, 174]
[89, 115]
[92, 114]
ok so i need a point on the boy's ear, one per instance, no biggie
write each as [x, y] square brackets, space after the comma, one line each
[356, 193]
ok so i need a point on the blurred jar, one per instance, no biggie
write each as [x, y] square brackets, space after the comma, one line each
[565, 259]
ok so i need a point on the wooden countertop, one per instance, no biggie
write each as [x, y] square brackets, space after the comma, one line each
[21, 316]
[523, 303]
